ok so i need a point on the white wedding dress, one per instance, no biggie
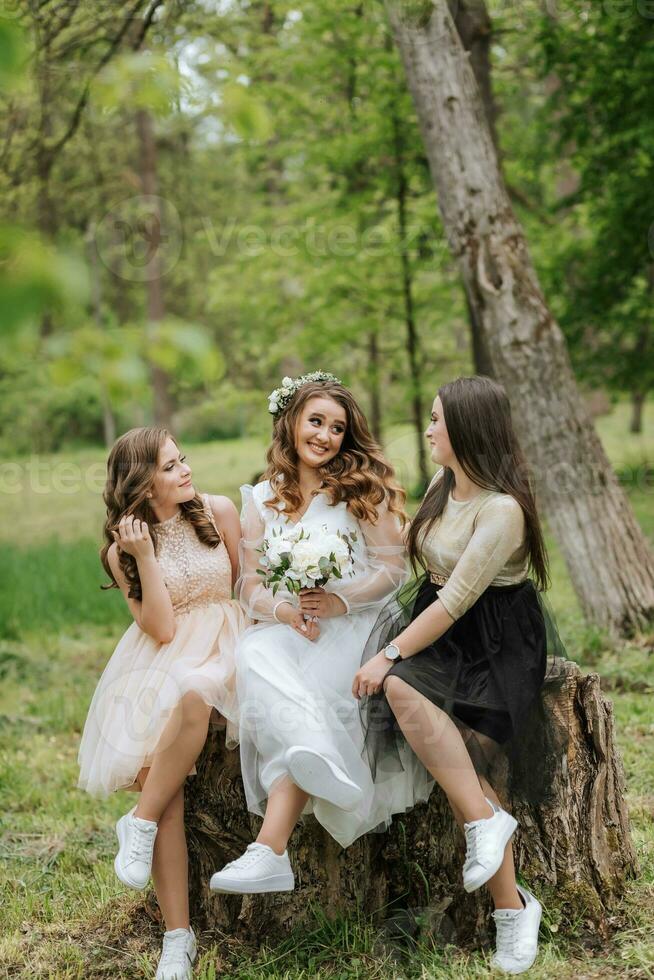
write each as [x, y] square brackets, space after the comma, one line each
[297, 692]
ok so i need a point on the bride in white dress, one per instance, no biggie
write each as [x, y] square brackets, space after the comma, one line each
[300, 731]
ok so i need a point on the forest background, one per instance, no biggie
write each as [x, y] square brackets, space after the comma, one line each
[199, 198]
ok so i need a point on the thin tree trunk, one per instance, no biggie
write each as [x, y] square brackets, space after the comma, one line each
[373, 386]
[413, 354]
[610, 564]
[577, 843]
[108, 420]
[642, 357]
[162, 399]
[637, 403]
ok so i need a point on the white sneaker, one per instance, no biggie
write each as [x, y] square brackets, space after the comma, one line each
[486, 840]
[517, 934]
[258, 870]
[320, 777]
[177, 956]
[133, 863]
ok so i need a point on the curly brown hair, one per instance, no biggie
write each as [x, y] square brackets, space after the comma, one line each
[359, 473]
[131, 469]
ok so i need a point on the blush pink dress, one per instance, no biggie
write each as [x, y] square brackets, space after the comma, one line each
[144, 680]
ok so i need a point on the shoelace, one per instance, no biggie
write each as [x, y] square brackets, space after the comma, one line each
[142, 844]
[245, 860]
[472, 843]
[174, 952]
[478, 843]
[507, 933]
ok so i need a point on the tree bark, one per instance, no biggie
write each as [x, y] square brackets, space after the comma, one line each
[577, 845]
[610, 564]
[475, 30]
[637, 403]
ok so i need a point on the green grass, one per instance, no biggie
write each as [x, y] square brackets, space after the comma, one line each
[64, 915]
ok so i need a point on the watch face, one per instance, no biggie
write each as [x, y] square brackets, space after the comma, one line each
[392, 652]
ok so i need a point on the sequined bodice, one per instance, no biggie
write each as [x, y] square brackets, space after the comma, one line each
[195, 574]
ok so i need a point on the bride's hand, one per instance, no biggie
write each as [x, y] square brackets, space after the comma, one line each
[292, 616]
[318, 602]
[308, 628]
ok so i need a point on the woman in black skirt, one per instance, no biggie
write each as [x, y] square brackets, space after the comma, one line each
[468, 654]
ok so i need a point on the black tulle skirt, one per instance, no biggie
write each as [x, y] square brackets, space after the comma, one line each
[488, 672]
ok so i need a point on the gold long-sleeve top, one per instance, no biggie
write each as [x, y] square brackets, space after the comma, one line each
[476, 543]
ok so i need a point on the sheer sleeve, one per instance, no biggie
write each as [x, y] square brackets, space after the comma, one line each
[380, 568]
[498, 534]
[258, 602]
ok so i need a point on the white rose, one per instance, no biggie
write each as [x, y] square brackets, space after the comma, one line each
[306, 557]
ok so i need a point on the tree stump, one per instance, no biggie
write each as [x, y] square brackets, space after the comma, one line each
[576, 847]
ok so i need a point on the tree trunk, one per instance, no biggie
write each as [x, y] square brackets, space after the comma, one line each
[373, 385]
[610, 564]
[577, 845]
[475, 30]
[412, 341]
[162, 399]
[108, 419]
[637, 403]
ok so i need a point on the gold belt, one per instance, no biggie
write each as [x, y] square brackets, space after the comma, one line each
[436, 578]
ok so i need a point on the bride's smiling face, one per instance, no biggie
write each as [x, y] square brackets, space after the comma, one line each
[320, 431]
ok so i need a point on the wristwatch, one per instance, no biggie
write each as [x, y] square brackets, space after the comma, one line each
[392, 652]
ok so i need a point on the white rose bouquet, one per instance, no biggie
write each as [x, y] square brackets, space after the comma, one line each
[299, 559]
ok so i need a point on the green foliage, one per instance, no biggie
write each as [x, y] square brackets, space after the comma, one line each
[599, 118]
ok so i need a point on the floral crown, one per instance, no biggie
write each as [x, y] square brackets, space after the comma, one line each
[280, 397]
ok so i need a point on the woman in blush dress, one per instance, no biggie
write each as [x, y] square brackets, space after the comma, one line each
[300, 732]
[173, 553]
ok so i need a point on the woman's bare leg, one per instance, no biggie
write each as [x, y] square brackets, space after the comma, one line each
[170, 862]
[286, 801]
[437, 742]
[183, 739]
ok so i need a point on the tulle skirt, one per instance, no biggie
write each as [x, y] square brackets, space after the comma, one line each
[128, 720]
[487, 672]
[295, 692]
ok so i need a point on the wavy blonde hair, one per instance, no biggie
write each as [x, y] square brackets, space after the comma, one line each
[131, 469]
[359, 474]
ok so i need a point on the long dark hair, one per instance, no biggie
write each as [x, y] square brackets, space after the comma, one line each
[131, 469]
[477, 416]
[360, 474]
